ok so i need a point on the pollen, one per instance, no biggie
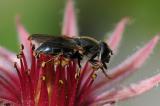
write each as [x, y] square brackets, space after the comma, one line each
[28, 72]
[43, 78]
[43, 64]
[34, 53]
[95, 67]
[94, 76]
[57, 62]
[61, 82]
[77, 75]
[64, 62]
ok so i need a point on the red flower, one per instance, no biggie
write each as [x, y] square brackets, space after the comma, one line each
[55, 80]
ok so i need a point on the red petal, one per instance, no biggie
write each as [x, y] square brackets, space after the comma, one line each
[116, 36]
[69, 23]
[43, 100]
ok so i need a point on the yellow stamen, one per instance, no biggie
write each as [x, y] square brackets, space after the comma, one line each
[77, 75]
[28, 72]
[43, 78]
[61, 82]
[57, 62]
[64, 62]
[97, 66]
[34, 53]
[43, 64]
[94, 76]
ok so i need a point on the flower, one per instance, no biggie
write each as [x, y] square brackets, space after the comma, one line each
[46, 80]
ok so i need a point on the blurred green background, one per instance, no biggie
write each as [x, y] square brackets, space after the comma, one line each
[96, 18]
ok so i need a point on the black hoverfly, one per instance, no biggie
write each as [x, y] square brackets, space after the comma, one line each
[98, 53]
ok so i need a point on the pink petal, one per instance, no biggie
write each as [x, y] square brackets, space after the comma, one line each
[69, 23]
[9, 76]
[10, 99]
[7, 91]
[4, 102]
[7, 58]
[99, 104]
[136, 60]
[7, 65]
[116, 36]
[8, 55]
[23, 38]
[132, 90]
[129, 65]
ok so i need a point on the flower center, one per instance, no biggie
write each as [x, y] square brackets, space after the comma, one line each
[54, 80]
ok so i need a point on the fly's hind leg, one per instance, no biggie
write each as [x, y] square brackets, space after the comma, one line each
[105, 73]
[76, 55]
[97, 64]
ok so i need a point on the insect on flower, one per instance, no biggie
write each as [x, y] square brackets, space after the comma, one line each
[97, 53]
[44, 74]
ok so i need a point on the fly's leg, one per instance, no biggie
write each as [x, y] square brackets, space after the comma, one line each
[99, 64]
